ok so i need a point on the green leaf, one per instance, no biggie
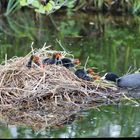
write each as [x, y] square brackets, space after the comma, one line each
[57, 7]
[23, 3]
[35, 3]
[50, 5]
[40, 10]
[30, 1]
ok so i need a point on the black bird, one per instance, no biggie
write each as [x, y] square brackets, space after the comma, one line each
[110, 76]
[32, 59]
[81, 73]
[67, 62]
[54, 60]
[29, 64]
[128, 81]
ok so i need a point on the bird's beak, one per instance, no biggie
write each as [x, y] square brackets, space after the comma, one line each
[97, 77]
[58, 56]
[90, 71]
[102, 78]
[77, 62]
[35, 57]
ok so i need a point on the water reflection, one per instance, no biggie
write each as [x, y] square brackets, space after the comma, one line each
[110, 121]
[112, 43]
[107, 121]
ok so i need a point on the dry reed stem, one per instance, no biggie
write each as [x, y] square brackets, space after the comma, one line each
[46, 97]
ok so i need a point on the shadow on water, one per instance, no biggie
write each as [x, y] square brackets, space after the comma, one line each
[106, 121]
[112, 44]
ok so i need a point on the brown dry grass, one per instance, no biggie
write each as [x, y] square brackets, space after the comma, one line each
[41, 98]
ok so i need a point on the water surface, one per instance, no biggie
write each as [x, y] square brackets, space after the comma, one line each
[105, 121]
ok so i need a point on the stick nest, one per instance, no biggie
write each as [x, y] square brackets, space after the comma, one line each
[47, 97]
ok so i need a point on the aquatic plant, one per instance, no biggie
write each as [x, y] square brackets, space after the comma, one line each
[44, 7]
[12, 6]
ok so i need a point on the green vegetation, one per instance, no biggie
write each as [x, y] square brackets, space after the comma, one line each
[12, 6]
[110, 42]
[43, 6]
[50, 6]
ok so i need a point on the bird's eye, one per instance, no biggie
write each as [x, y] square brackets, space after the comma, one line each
[118, 80]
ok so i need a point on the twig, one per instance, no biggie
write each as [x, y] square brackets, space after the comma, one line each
[86, 63]
[32, 49]
[59, 42]
[130, 99]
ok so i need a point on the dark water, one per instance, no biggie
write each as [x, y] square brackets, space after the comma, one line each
[111, 43]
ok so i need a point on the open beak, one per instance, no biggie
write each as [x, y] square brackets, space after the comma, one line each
[58, 56]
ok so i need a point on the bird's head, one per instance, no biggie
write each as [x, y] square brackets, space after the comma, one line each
[90, 71]
[57, 55]
[110, 76]
[77, 61]
[35, 58]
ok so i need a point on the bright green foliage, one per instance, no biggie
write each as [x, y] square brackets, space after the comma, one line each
[49, 7]
[23, 2]
[136, 6]
[40, 10]
[35, 3]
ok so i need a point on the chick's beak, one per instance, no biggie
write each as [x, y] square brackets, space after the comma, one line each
[36, 59]
[97, 77]
[58, 55]
[102, 78]
[90, 71]
[77, 62]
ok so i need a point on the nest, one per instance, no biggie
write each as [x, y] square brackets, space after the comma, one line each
[41, 98]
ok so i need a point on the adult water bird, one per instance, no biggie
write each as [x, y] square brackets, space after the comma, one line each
[128, 81]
